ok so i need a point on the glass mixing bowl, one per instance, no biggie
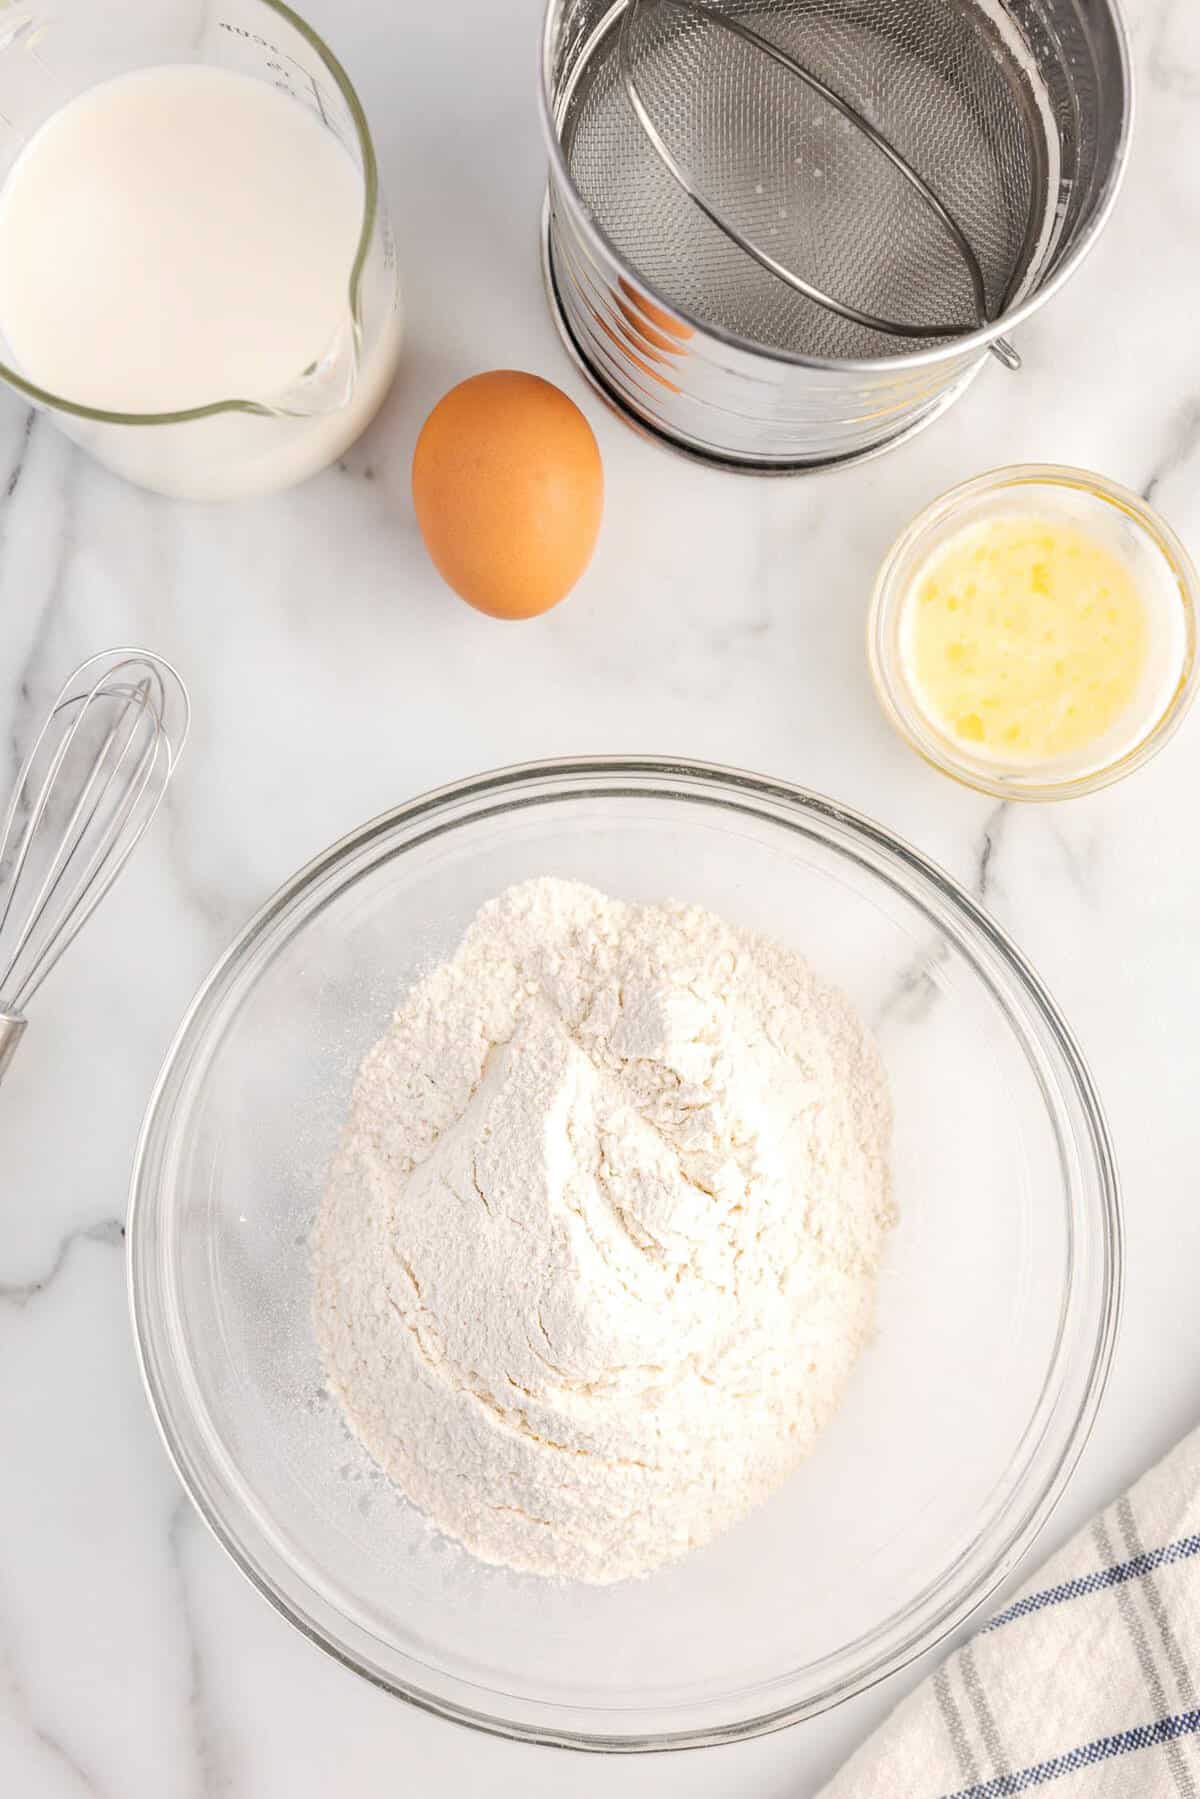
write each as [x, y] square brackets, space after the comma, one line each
[998, 1303]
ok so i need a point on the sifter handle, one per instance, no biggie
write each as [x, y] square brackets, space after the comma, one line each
[1005, 353]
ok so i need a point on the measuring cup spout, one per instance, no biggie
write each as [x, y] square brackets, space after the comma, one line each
[327, 384]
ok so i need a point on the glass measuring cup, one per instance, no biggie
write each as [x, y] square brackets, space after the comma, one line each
[237, 445]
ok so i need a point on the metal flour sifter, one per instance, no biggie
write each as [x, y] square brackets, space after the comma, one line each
[783, 234]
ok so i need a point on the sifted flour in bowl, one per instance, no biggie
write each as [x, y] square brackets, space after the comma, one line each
[600, 1243]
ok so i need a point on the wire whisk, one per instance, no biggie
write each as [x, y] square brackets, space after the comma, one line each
[83, 801]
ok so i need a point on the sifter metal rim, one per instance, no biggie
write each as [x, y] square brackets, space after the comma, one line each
[981, 340]
[694, 452]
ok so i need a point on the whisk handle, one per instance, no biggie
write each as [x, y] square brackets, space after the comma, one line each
[11, 1031]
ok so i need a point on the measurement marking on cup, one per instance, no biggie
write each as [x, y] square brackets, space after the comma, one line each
[315, 85]
[277, 68]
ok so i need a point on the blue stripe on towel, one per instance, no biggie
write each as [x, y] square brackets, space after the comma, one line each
[1145, 1736]
[1096, 1582]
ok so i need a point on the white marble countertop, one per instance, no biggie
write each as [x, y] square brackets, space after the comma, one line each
[333, 676]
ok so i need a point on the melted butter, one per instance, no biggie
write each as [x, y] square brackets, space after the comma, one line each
[1027, 638]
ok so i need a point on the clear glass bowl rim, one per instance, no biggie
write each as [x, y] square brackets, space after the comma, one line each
[509, 790]
[892, 690]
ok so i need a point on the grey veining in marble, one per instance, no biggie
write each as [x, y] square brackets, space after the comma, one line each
[333, 676]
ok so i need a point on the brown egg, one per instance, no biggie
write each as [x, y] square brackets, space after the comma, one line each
[509, 490]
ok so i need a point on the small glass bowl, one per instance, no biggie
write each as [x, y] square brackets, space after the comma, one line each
[1160, 564]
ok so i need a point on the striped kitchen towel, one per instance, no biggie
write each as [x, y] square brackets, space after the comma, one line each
[1084, 1687]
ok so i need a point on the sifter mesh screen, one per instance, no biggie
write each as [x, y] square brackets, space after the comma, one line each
[949, 84]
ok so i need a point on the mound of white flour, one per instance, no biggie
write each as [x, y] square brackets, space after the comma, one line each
[600, 1242]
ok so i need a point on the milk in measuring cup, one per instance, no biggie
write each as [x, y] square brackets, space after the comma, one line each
[183, 236]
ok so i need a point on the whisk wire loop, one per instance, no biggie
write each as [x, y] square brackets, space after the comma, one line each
[53, 875]
[79, 823]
